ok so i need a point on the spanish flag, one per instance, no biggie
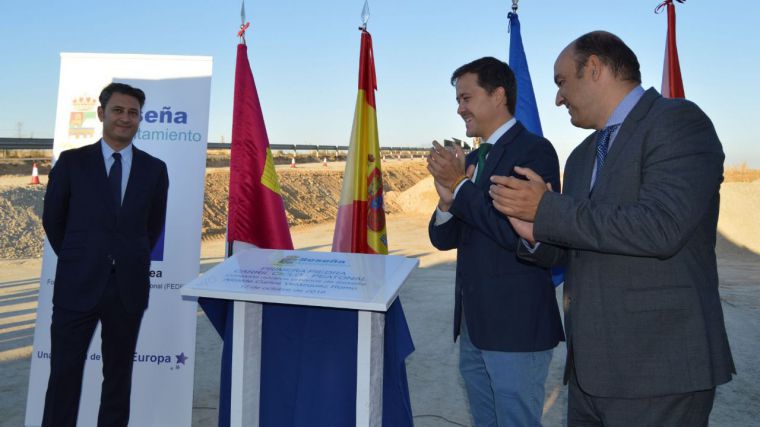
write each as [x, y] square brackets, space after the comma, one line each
[360, 226]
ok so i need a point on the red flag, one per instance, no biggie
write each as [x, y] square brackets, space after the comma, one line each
[256, 212]
[360, 225]
[672, 84]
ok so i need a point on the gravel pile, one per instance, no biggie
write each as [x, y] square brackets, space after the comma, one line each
[21, 219]
[310, 195]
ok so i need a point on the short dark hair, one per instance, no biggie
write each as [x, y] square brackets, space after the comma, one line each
[123, 89]
[611, 51]
[492, 74]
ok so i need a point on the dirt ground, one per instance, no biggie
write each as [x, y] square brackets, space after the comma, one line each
[311, 192]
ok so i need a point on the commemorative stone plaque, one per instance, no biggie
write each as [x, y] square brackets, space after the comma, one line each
[328, 279]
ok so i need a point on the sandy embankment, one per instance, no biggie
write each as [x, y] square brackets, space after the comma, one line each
[739, 220]
[311, 196]
[738, 224]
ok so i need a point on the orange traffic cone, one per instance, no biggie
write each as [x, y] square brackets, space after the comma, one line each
[292, 162]
[324, 162]
[35, 175]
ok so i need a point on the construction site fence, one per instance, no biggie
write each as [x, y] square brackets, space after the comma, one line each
[36, 147]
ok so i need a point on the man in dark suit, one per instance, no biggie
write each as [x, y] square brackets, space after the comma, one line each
[104, 211]
[505, 309]
[636, 227]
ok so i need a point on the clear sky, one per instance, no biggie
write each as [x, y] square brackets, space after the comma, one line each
[304, 56]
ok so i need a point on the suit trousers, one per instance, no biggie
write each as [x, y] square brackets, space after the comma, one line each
[70, 335]
[676, 410]
[503, 388]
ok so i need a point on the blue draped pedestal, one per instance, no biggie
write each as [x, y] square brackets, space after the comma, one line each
[308, 365]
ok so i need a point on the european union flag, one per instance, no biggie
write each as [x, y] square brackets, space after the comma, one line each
[526, 110]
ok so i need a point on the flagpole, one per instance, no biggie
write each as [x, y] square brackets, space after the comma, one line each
[243, 24]
[230, 245]
[255, 218]
[365, 16]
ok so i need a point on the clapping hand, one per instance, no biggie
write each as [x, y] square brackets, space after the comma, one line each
[447, 168]
[518, 198]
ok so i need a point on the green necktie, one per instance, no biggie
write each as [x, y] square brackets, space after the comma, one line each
[482, 153]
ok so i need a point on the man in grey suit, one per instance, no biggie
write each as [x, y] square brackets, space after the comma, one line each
[636, 227]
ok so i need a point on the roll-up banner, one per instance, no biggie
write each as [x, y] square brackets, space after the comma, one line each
[174, 128]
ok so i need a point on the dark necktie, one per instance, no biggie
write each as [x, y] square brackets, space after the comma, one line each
[602, 144]
[483, 150]
[114, 179]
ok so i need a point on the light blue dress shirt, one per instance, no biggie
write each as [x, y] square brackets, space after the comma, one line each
[618, 116]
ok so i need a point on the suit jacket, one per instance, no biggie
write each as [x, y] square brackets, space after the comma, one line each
[642, 310]
[510, 304]
[91, 235]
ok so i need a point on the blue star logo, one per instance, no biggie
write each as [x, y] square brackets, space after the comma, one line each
[181, 358]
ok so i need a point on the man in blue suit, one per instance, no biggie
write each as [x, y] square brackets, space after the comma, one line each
[505, 310]
[104, 211]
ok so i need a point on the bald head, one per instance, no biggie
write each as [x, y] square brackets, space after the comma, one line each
[611, 51]
[593, 74]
